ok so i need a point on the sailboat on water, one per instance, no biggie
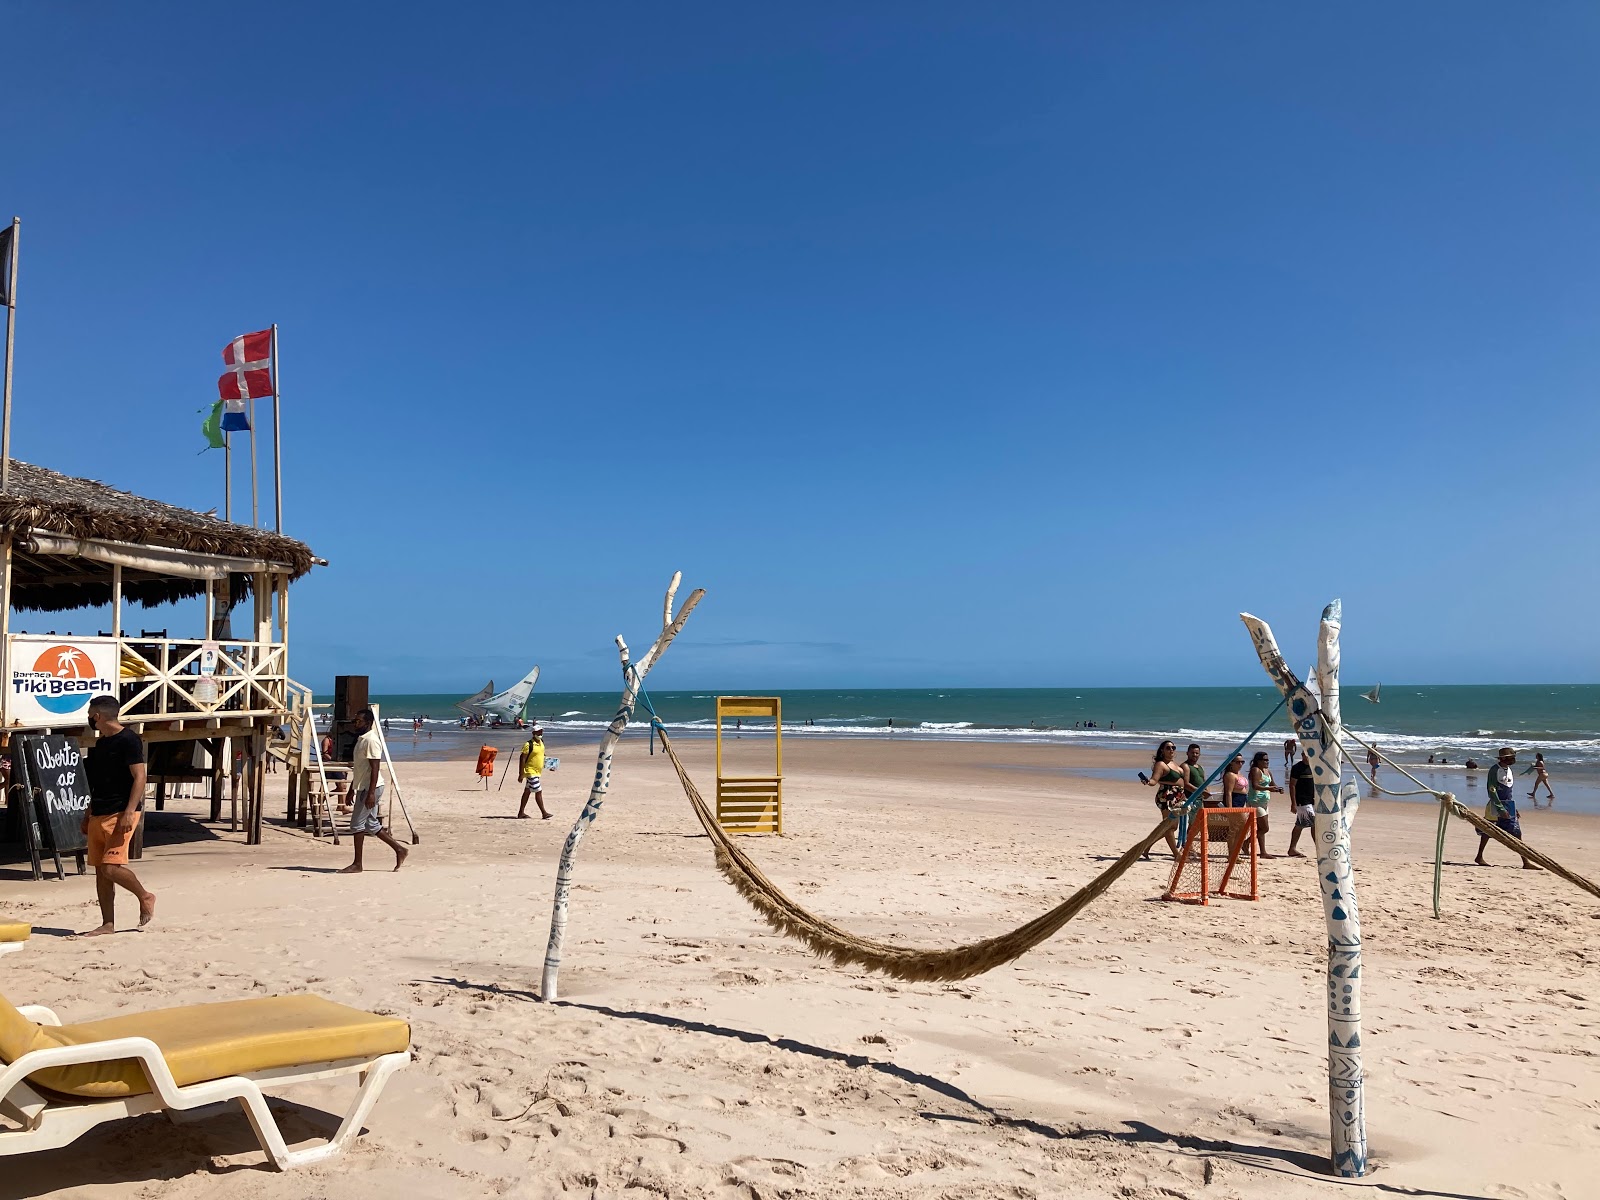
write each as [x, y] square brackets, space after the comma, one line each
[509, 706]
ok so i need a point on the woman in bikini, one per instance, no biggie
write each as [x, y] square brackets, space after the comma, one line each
[1261, 789]
[1169, 781]
[1235, 787]
[1543, 777]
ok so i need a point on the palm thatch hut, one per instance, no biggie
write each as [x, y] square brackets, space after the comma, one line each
[69, 543]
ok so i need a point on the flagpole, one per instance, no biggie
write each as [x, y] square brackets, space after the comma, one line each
[277, 438]
[11, 332]
[255, 513]
[227, 476]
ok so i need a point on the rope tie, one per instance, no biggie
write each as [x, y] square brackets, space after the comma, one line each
[1191, 804]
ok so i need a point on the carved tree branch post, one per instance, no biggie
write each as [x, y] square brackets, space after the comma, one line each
[632, 677]
[1318, 730]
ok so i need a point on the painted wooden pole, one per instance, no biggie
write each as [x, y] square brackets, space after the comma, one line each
[632, 677]
[1317, 725]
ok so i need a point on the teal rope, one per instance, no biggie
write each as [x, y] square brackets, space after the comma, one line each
[656, 724]
[1192, 804]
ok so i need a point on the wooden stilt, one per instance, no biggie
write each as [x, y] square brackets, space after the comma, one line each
[258, 776]
[214, 746]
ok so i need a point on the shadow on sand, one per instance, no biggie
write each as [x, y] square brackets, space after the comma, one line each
[1267, 1158]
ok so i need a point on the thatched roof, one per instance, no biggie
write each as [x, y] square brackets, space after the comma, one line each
[40, 499]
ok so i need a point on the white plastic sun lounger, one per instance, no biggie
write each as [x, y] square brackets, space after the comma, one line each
[13, 936]
[59, 1081]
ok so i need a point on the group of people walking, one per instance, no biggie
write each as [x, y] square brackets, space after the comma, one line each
[1253, 786]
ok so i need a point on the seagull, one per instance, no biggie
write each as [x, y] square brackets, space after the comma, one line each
[1372, 696]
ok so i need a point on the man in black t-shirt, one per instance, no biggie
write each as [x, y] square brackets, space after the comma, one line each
[1302, 795]
[116, 770]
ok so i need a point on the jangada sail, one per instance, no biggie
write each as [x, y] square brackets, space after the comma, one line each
[508, 705]
[473, 704]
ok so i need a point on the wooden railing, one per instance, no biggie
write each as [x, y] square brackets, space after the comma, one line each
[168, 677]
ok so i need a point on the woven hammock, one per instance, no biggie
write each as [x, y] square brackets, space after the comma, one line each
[902, 962]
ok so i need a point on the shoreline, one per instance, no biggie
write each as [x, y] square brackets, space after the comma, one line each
[1582, 799]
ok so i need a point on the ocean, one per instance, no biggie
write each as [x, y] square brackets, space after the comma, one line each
[1455, 722]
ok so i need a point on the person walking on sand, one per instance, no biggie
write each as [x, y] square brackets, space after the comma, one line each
[1502, 806]
[1168, 781]
[1372, 764]
[1543, 776]
[1302, 799]
[116, 771]
[530, 769]
[1291, 747]
[1235, 784]
[1196, 773]
[366, 790]
[1261, 789]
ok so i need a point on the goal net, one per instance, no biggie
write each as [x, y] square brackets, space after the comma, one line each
[1209, 861]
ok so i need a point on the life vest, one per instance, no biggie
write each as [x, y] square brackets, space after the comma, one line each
[486, 760]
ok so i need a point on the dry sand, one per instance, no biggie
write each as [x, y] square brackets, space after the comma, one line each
[1150, 1050]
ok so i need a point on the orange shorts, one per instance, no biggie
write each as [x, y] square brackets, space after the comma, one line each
[106, 847]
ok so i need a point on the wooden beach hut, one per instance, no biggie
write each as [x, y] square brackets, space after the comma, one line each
[71, 544]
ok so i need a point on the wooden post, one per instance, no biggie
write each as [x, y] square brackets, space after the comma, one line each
[1317, 724]
[632, 677]
[161, 793]
[116, 600]
[258, 776]
[5, 631]
[215, 746]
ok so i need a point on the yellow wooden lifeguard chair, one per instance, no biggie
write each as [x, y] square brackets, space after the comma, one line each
[751, 803]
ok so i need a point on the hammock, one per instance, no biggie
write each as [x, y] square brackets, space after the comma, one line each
[902, 962]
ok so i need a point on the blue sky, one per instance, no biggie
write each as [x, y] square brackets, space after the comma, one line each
[943, 345]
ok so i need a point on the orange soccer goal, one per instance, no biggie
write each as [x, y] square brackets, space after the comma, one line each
[1208, 861]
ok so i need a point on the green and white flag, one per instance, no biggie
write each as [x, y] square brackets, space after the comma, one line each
[211, 428]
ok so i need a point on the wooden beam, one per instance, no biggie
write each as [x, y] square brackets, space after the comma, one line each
[5, 629]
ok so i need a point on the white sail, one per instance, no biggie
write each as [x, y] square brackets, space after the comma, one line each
[508, 705]
[473, 703]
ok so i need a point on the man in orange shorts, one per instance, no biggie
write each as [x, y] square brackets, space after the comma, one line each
[116, 769]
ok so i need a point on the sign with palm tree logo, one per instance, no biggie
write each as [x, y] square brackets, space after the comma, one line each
[53, 679]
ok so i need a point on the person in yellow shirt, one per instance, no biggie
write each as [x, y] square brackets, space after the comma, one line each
[530, 768]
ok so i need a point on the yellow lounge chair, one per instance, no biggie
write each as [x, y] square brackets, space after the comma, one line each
[59, 1081]
[14, 937]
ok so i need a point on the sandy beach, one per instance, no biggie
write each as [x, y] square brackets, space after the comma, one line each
[1151, 1049]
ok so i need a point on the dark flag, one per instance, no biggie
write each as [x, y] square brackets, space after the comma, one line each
[7, 248]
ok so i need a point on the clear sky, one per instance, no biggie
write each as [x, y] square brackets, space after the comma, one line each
[952, 345]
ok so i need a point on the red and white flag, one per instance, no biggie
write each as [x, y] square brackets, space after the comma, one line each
[248, 377]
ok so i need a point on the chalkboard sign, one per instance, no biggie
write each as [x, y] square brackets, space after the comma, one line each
[21, 812]
[53, 771]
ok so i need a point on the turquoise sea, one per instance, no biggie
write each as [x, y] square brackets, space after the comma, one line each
[1410, 722]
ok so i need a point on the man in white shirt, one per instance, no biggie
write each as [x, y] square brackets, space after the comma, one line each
[366, 789]
[1502, 806]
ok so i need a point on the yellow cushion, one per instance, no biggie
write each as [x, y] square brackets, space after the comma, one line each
[15, 933]
[208, 1041]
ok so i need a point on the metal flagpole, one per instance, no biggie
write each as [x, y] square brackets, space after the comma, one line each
[11, 331]
[277, 440]
[255, 513]
[227, 476]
